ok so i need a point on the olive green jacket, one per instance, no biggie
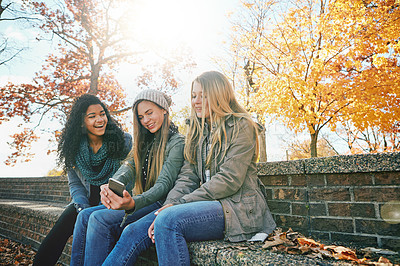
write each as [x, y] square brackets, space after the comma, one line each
[173, 161]
[234, 183]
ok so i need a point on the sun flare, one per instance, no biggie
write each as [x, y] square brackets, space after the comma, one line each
[167, 24]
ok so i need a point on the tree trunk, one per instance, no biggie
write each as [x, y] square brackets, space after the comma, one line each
[94, 80]
[313, 144]
[262, 145]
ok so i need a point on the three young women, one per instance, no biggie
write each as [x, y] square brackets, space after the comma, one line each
[153, 165]
[217, 194]
[91, 148]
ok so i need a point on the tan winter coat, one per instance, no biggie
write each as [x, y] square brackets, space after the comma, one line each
[234, 183]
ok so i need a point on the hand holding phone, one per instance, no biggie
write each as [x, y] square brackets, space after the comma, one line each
[116, 186]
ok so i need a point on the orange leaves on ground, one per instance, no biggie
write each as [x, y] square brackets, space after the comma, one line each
[308, 242]
[296, 244]
[13, 253]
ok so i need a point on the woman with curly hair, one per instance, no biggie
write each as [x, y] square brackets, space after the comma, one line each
[91, 148]
[153, 166]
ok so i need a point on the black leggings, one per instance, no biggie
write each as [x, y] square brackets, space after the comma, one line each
[52, 246]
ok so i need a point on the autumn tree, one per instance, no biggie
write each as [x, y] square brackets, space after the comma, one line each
[300, 149]
[92, 43]
[89, 44]
[372, 139]
[317, 63]
[241, 70]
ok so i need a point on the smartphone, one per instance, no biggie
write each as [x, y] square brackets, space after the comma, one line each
[116, 186]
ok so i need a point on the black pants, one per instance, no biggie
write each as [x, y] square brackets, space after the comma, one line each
[52, 246]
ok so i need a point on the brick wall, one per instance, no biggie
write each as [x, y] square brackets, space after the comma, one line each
[337, 198]
[29, 223]
[29, 207]
[52, 189]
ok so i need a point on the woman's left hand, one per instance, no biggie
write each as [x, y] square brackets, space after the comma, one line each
[150, 232]
[115, 202]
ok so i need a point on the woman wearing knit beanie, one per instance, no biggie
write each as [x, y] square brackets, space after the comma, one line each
[152, 167]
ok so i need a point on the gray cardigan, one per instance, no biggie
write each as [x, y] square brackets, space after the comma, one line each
[173, 161]
[79, 187]
[234, 183]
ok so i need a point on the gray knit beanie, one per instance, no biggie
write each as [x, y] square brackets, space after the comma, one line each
[155, 96]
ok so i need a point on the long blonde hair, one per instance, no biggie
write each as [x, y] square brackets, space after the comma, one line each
[221, 103]
[142, 138]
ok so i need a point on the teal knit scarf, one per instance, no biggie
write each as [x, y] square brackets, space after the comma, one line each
[86, 160]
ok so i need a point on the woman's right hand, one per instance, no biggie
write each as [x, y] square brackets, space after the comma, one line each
[150, 231]
[115, 202]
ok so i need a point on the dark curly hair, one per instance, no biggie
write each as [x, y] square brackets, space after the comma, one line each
[71, 135]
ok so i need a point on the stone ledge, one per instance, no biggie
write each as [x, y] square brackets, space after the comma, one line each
[245, 253]
[281, 168]
[51, 209]
[201, 253]
[359, 163]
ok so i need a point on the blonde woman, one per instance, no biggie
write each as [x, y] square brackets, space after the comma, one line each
[152, 166]
[217, 194]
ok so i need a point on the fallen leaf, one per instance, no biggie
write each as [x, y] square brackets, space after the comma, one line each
[276, 241]
[294, 251]
[308, 241]
[383, 260]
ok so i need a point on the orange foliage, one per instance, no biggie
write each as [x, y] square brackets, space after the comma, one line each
[90, 45]
[316, 63]
[21, 143]
[92, 42]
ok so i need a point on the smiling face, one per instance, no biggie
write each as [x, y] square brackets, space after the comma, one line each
[150, 115]
[95, 121]
[197, 101]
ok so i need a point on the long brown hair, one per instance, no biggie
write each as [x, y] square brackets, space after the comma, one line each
[142, 138]
[221, 103]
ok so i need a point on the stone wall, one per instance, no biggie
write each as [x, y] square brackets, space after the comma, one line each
[338, 198]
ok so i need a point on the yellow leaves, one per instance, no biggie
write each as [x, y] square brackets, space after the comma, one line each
[318, 65]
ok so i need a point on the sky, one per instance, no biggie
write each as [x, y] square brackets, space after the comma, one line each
[201, 25]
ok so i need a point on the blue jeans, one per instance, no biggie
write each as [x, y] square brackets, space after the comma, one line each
[97, 229]
[195, 221]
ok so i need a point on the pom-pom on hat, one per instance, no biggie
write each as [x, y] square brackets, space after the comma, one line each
[155, 96]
